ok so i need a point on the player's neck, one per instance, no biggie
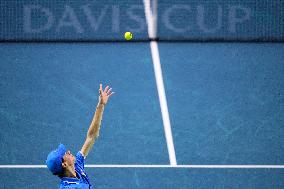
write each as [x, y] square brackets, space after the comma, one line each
[70, 173]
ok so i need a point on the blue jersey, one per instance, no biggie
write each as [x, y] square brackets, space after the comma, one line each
[82, 182]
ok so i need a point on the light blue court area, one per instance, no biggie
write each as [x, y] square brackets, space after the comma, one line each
[49, 93]
[168, 178]
[226, 101]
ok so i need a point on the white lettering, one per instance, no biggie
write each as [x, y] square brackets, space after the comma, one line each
[72, 22]
[201, 20]
[142, 22]
[38, 19]
[95, 24]
[28, 19]
[115, 19]
[234, 20]
[167, 15]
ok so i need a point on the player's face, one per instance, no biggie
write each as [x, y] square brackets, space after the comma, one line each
[69, 158]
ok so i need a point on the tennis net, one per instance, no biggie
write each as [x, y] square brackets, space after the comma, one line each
[107, 20]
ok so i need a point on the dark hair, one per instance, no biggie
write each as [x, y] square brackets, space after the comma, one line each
[60, 175]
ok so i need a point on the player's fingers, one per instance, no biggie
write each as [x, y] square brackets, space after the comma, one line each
[101, 89]
[106, 89]
[109, 91]
[110, 94]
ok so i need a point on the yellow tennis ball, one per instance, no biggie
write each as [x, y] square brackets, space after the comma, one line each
[128, 35]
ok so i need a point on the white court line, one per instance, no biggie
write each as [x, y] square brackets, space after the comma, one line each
[159, 81]
[157, 166]
[163, 102]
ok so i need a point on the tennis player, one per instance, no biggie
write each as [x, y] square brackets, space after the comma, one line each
[71, 168]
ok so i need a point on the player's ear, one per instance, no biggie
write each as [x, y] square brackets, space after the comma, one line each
[64, 165]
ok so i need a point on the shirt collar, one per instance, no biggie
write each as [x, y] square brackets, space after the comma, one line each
[70, 179]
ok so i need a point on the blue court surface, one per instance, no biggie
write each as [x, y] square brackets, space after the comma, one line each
[225, 102]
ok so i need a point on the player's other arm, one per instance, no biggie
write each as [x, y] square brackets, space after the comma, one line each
[94, 128]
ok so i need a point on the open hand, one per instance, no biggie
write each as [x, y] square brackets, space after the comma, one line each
[104, 94]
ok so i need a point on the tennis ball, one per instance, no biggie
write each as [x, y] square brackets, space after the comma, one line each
[128, 36]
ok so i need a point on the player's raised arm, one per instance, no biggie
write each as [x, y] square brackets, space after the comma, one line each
[94, 129]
